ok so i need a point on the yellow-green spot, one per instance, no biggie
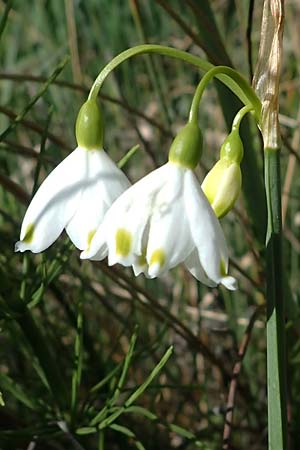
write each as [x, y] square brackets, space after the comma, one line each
[90, 236]
[223, 268]
[158, 257]
[123, 242]
[141, 259]
[29, 233]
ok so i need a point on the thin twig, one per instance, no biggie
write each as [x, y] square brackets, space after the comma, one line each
[85, 90]
[19, 117]
[73, 41]
[163, 314]
[166, 316]
[234, 379]
[14, 189]
[37, 128]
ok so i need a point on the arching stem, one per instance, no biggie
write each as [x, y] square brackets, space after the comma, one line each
[232, 79]
[250, 99]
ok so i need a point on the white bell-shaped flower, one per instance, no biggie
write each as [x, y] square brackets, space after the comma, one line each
[160, 221]
[74, 196]
[77, 193]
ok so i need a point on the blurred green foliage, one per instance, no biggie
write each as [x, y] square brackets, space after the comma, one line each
[75, 372]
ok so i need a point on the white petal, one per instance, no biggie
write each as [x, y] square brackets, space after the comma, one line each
[97, 250]
[128, 213]
[230, 283]
[170, 240]
[205, 229]
[140, 265]
[54, 203]
[104, 182]
[193, 264]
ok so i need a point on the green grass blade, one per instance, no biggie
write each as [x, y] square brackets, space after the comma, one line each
[276, 339]
[78, 356]
[32, 102]
[16, 390]
[152, 375]
[127, 432]
[4, 17]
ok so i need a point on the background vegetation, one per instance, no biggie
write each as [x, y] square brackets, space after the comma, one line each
[85, 349]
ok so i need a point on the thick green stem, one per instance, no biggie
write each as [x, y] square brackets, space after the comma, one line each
[276, 345]
[232, 79]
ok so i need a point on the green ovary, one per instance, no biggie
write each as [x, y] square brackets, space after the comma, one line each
[123, 242]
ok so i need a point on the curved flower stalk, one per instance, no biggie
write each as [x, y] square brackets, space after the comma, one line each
[165, 219]
[77, 193]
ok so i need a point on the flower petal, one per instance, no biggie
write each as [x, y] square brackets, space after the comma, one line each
[193, 264]
[229, 282]
[104, 182]
[125, 221]
[170, 240]
[53, 204]
[206, 231]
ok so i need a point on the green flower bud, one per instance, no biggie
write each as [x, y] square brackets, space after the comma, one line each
[222, 186]
[89, 126]
[186, 149]
[232, 148]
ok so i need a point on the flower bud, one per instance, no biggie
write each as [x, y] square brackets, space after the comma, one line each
[186, 149]
[89, 126]
[223, 182]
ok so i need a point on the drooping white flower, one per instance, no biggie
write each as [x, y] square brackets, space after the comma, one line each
[74, 196]
[160, 221]
[77, 193]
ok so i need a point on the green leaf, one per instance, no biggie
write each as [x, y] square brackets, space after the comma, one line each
[11, 386]
[2, 403]
[86, 430]
[124, 430]
[152, 375]
[131, 152]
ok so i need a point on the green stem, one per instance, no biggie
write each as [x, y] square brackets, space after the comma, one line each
[232, 79]
[276, 345]
[251, 101]
[240, 115]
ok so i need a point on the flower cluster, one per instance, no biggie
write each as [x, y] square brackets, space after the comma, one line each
[162, 220]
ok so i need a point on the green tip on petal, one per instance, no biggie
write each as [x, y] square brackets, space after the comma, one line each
[89, 126]
[90, 236]
[186, 148]
[29, 234]
[123, 242]
[223, 270]
[158, 257]
[141, 259]
[232, 148]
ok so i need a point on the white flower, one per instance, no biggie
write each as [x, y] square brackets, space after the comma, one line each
[160, 221]
[74, 196]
